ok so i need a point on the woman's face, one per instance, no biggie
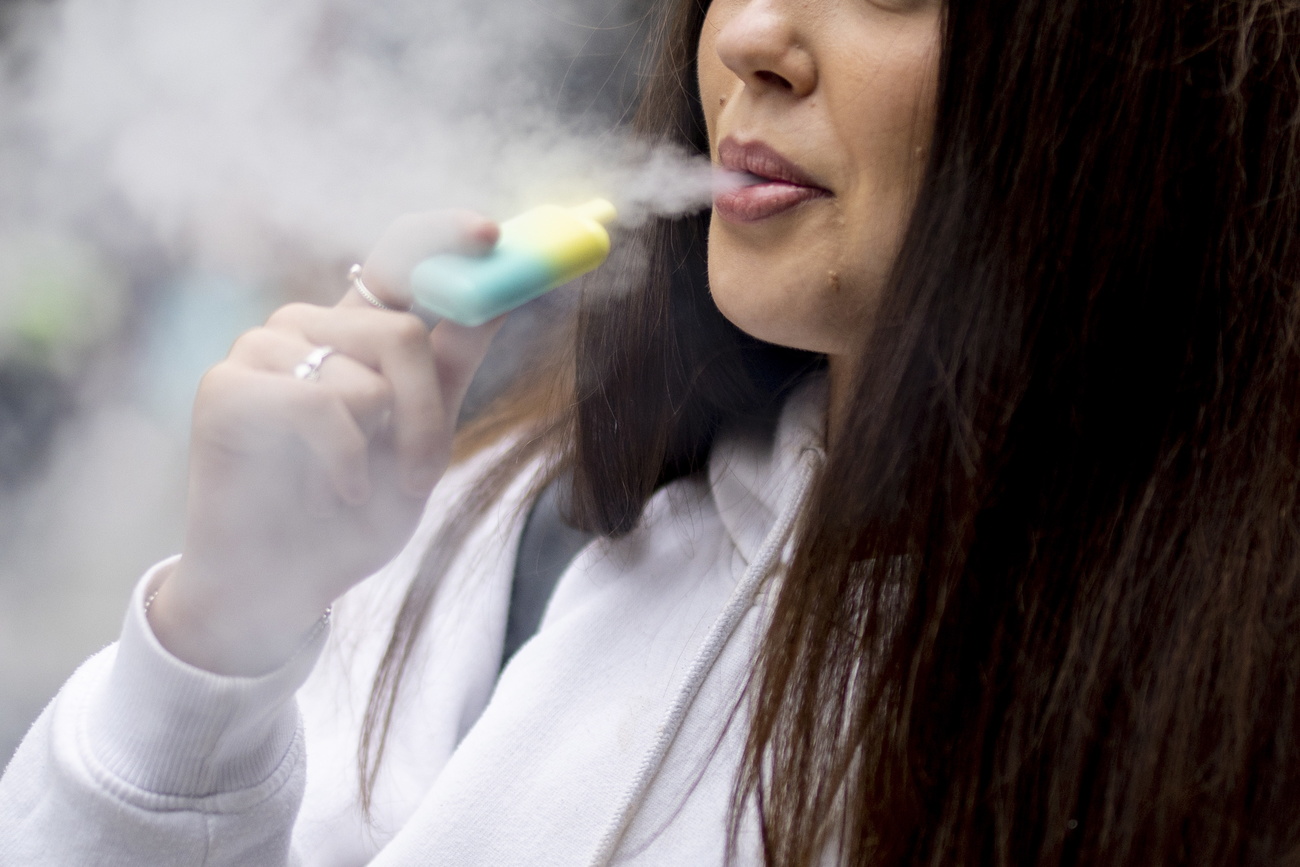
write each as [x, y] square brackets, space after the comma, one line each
[830, 103]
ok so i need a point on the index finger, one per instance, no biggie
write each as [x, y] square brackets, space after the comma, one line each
[410, 239]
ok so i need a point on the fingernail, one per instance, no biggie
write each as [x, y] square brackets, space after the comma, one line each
[486, 234]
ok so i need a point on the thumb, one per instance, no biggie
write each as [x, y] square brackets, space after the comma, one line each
[458, 351]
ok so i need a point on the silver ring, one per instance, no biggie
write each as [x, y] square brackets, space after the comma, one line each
[354, 275]
[308, 370]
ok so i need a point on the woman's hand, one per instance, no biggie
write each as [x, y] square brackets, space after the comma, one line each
[300, 488]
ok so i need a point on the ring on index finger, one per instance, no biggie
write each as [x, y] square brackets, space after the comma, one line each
[308, 369]
[354, 277]
[428, 317]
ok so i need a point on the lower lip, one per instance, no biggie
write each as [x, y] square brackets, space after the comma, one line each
[757, 202]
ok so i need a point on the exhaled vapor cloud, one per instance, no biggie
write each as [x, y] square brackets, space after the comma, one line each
[160, 159]
[230, 127]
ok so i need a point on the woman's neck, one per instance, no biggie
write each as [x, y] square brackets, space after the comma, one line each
[839, 371]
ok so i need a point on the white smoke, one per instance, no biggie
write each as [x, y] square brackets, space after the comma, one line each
[162, 157]
[236, 127]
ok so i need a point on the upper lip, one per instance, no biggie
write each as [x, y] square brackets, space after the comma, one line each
[761, 159]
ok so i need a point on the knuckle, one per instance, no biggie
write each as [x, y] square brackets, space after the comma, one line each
[251, 343]
[290, 315]
[219, 379]
[226, 396]
[409, 330]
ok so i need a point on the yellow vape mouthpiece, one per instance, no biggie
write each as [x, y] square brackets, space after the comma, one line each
[540, 249]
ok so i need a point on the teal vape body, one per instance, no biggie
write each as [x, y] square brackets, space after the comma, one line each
[538, 250]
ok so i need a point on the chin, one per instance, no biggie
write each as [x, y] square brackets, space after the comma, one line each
[765, 316]
[776, 291]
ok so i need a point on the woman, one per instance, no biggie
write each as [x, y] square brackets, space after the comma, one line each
[1028, 596]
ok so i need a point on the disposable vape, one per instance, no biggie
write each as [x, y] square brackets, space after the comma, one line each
[540, 249]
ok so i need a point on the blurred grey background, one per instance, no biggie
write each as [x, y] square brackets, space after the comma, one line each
[105, 329]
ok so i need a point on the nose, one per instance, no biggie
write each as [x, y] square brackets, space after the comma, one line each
[759, 43]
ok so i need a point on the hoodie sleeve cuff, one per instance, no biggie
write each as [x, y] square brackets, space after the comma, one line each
[170, 728]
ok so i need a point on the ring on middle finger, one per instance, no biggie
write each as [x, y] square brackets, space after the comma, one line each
[308, 369]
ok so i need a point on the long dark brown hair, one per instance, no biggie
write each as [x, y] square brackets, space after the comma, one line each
[1056, 546]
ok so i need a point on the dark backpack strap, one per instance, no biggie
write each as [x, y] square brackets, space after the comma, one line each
[546, 549]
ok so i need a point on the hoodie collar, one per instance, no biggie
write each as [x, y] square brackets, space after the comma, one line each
[751, 468]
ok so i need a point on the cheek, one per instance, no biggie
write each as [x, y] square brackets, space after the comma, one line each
[713, 78]
[882, 123]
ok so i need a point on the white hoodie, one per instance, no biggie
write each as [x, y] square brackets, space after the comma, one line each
[612, 737]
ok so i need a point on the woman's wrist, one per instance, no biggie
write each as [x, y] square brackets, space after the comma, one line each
[224, 635]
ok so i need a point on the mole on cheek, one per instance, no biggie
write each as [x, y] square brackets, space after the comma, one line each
[833, 280]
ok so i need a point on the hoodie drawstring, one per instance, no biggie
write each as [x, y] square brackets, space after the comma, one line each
[742, 599]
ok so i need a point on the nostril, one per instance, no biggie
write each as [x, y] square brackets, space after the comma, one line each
[773, 80]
